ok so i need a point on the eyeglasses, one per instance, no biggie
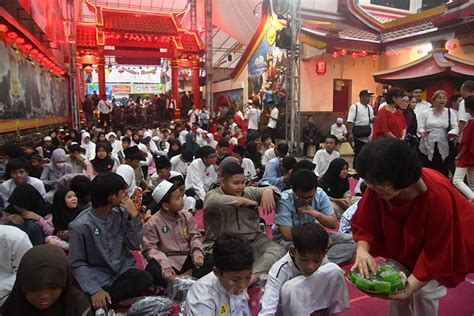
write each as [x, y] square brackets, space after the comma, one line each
[303, 200]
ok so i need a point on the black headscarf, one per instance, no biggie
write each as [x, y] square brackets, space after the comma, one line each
[330, 182]
[62, 215]
[46, 264]
[26, 196]
[171, 152]
[102, 165]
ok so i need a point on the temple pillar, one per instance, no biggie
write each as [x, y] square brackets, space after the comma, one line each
[196, 92]
[175, 86]
[101, 76]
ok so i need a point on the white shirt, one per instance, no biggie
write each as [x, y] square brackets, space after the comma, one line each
[462, 114]
[253, 116]
[13, 245]
[249, 169]
[365, 114]
[421, 106]
[179, 165]
[339, 131]
[104, 107]
[182, 136]
[324, 289]
[272, 122]
[200, 178]
[207, 297]
[437, 126]
[267, 156]
[322, 159]
[382, 105]
[7, 187]
[232, 128]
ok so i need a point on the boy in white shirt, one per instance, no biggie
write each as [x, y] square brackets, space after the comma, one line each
[245, 163]
[221, 292]
[323, 157]
[272, 121]
[180, 163]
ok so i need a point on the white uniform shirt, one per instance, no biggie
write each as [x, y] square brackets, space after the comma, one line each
[267, 156]
[200, 178]
[104, 107]
[13, 245]
[421, 106]
[253, 116]
[365, 114]
[322, 159]
[249, 169]
[207, 297]
[339, 131]
[182, 136]
[462, 114]
[324, 289]
[179, 165]
[272, 122]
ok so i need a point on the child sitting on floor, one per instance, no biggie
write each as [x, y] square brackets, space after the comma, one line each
[221, 292]
[172, 243]
[307, 258]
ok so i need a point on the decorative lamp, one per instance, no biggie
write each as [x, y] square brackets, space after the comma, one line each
[335, 54]
[88, 69]
[343, 52]
[321, 67]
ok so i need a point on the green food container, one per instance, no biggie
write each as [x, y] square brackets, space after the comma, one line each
[382, 286]
[390, 276]
[397, 285]
[362, 283]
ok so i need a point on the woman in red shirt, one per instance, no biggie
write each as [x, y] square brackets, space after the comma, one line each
[390, 121]
[414, 216]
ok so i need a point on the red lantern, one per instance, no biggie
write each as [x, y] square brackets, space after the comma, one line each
[34, 53]
[20, 41]
[354, 55]
[335, 54]
[363, 53]
[11, 37]
[62, 73]
[39, 58]
[27, 49]
[343, 52]
[88, 69]
[321, 67]
[3, 28]
[375, 57]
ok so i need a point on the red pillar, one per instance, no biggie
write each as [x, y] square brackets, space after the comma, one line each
[196, 92]
[101, 76]
[175, 86]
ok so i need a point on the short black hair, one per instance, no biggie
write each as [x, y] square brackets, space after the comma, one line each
[264, 137]
[162, 162]
[188, 155]
[288, 162]
[310, 237]
[126, 139]
[282, 149]
[81, 185]
[239, 150]
[392, 94]
[303, 164]
[469, 103]
[231, 169]
[454, 97]
[232, 253]
[103, 186]
[16, 164]
[304, 180]
[224, 143]
[205, 151]
[334, 138]
[468, 85]
[389, 160]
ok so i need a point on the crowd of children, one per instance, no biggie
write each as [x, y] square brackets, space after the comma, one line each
[100, 195]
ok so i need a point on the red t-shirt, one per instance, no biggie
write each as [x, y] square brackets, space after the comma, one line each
[387, 121]
[430, 235]
[467, 160]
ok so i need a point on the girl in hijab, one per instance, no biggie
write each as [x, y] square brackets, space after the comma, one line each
[253, 154]
[135, 193]
[102, 162]
[175, 148]
[336, 185]
[65, 209]
[88, 145]
[45, 286]
[190, 143]
[30, 213]
[54, 170]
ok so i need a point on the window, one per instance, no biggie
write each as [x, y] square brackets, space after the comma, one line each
[397, 4]
[428, 4]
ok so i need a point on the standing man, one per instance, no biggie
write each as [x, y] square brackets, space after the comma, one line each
[421, 104]
[87, 107]
[253, 116]
[272, 121]
[467, 89]
[311, 136]
[359, 122]
[105, 107]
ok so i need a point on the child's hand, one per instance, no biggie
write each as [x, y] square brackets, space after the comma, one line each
[15, 219]
[30, 215]
[241, 201]
[128, 205]
[198, 261]
[100, 300]
[267, 201]
[169, 274]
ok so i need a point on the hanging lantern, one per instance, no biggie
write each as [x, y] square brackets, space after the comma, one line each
[88, 70]
[375, 57]
[27, 49]
[321, 67]
[19, 41]
[11, 37]
[354, 55]
[185, 74]
[343, 52]
[3, 28]
[335, 54]
[39, 58]
[363, 53]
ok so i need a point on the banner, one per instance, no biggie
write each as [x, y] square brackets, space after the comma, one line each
[121, 89]
[146, 88]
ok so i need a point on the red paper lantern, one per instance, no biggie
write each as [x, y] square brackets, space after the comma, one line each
[11, 37]
[354, 55]
[39, 58]
[88, 69]
[321, 67]
[363, 53]
[27, 49]
[335, 54]
[375, 57]
[343, 52]
[62, 73]
[33, 53]
[20, 41]
[3, 28]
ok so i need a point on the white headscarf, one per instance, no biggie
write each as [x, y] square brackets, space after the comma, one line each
[89, 147]
[128, 174]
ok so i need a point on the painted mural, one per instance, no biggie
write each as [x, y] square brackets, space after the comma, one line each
[28, 91]
[267, 71]
[230, 98]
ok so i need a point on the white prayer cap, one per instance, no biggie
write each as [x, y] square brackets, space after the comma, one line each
[47, 138]
[340, 120]
[249, 101]
[155, 139]
[160, 191]
[111, 134]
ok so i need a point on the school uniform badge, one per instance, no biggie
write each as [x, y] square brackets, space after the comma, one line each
[96, 231]
[165, 229]
[223, 309]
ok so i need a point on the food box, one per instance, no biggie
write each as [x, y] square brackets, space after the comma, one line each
[387, 280]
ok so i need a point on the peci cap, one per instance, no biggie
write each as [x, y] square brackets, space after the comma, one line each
[340, 120]
[133, 153]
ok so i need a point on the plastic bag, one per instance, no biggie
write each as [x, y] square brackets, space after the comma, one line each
[152, 305]
[179, 287]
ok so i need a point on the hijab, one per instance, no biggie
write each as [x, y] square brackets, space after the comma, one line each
[26, 196]
[102, 165]
[189, 144]
[90, 147]
[128, 174]
[171, 152]
[330, 182]
[46, 264]
[63, 215]
[59, 155]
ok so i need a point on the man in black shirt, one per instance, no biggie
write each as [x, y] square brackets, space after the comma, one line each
[311, 135]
